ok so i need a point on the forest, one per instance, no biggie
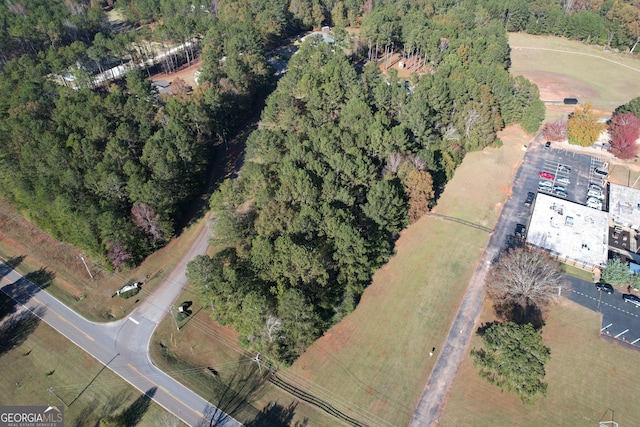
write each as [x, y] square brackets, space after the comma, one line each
[345, 156]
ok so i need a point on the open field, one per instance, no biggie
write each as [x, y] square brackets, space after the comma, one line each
[587, 376]
[565, 68]
[47, 359]
[72, 284]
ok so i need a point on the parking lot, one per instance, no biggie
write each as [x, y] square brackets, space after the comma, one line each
[620, 320]
[567, 175]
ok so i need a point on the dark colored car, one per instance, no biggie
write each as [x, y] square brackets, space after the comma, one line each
[601, 171]
[548, 144]
[633, 299]
[529, 200]
[520, 231]
[604, 287]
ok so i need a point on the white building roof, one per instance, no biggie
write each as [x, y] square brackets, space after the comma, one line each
[569, 230]
[624, 206]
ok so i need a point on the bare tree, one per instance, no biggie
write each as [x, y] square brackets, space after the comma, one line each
[395, 159]
[417, 162]
[148, 221]
[118, 254]
[556, 131]
[522, 283]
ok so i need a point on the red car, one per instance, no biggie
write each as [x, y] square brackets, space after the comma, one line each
[546, 175]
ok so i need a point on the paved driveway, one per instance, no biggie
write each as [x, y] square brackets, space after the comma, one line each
[620, 319]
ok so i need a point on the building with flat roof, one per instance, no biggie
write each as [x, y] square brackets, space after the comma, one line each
[572, 232]
[624, 206]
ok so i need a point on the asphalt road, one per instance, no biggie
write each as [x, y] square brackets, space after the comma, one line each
[123, 345]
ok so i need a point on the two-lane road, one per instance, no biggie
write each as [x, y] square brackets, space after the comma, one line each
[123, 345]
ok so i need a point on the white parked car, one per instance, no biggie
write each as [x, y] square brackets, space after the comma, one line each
[594, 203]
[595, 193]
[545, 183]
[563, 180]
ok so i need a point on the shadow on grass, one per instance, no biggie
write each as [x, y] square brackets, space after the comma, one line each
[234, 396]
[134, 413]
[7, 306]
[276, 415]
[521, 315]
[95, 410]
[16, 328]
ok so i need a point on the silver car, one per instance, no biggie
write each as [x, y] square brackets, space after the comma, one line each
[560, 193]
[545, 183]
[563, 180]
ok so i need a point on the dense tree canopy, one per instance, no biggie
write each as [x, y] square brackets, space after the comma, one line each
[513, 358]
[344, 158]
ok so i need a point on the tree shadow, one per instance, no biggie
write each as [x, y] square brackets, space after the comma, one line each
[235, 395]
[24, 288]
[521, 315]
[276, 415]
[95, 410]
[134, 413]
[41, 277]
[7, 306]
[10, 264]
[16, 328]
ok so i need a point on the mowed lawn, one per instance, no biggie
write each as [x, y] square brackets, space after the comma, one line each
[376, 361]
[588, 378]
[586, 72]
[566, 68]
[47, 359]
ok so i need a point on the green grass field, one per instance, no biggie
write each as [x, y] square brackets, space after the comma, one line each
[587, 377]
[570, 68]
[44, 359]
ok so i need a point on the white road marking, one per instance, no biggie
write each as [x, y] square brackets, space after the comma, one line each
[606, 327]
[623, 332]
[635, 341]
[134, 320]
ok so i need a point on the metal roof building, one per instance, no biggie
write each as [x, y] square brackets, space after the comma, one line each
[574, 233]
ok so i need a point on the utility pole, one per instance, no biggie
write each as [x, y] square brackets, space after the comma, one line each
[86, 266]
[52, 391]
[174, 317]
